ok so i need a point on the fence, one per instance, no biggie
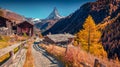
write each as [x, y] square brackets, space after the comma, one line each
[10, 50]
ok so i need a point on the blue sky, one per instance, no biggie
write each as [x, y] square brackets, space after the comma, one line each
[42, 8]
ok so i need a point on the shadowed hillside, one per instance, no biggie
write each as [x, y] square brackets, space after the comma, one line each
[111, 39]
[99, 10]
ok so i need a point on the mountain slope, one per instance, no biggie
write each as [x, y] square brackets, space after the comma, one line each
[99, 11]
[111, 38]
[11, 15]
[45, 24]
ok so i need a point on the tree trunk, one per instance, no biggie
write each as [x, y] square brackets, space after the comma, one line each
[89, 40]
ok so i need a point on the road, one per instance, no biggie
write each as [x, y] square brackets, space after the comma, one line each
[43, 59]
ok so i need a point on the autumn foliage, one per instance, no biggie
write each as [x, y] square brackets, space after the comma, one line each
[89, 38]
[75, 56]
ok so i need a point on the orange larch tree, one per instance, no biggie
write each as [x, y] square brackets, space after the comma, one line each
[89, 37]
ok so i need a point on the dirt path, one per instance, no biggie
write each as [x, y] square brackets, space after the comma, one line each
[42, 59]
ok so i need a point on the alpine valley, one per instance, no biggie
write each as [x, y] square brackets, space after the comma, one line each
[106, 14]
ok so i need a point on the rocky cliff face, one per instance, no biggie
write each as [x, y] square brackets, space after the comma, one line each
[99, 11]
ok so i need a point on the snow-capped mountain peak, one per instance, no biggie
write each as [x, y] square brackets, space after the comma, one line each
[34, 20]
[54, 14]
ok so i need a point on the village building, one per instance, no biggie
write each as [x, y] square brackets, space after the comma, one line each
[59, 39]
[8, 27]
[5, 26]
[24, 27]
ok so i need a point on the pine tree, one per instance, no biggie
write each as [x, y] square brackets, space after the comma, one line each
[89, 36]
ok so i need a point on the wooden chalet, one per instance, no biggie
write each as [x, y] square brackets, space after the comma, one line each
[8, 27]
[60, 39]
[24, 27]
[5, 26]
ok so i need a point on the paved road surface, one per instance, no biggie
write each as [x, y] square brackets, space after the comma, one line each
[42, 59]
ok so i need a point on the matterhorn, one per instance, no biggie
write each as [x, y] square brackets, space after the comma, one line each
[54, 14]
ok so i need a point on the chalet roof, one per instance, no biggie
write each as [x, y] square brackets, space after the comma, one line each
[19, 22]
[5, 18]
[16, 21]
[12, 20]
[60, 37]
